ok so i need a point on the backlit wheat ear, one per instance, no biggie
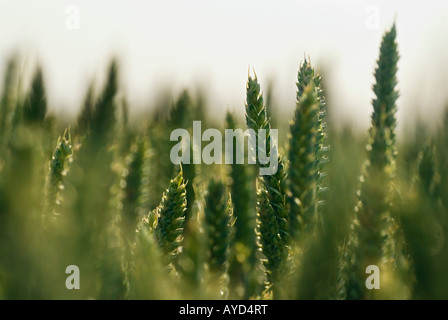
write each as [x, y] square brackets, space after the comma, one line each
[58, 168]
[303, 166]
[271, 195]
[307, 151]
[372, 241]
[170, 217]
[218, 224]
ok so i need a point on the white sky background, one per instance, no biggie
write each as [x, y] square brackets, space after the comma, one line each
[184, 42]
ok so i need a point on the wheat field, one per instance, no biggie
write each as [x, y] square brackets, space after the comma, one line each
[95, 208]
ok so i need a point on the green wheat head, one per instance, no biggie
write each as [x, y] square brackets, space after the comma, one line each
[303, 166]
[131, 186]
[218, 225]
[86, 114]
[239, 180]
[147, 201]
[256, 114]
[8, 101]
[58, 168]
[244, 261]
[35, 107]
[271, 194]
[374, 231]
[170, 217]
[307, 151]
[428, 176]
[103, 115]
[112, 264]
[257, 119]
[269, 241]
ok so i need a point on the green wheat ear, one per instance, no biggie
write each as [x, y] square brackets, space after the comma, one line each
[271, 194]
[113, 269]
[169, 217]
[269, 241]
[428, 176]
[131, 186]
[8, 101]
[307, 151]
[103, 115]
[303, 166]
[86, 115]
[218, 225]
[58, 168]
[244, 261]
[35, 107]
[374, 230]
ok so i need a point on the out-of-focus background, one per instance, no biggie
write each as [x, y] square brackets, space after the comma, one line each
[176, 44]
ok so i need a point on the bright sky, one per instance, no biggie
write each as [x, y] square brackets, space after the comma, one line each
[213, 42]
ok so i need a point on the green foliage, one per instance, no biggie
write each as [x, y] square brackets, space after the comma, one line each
[21, 238]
